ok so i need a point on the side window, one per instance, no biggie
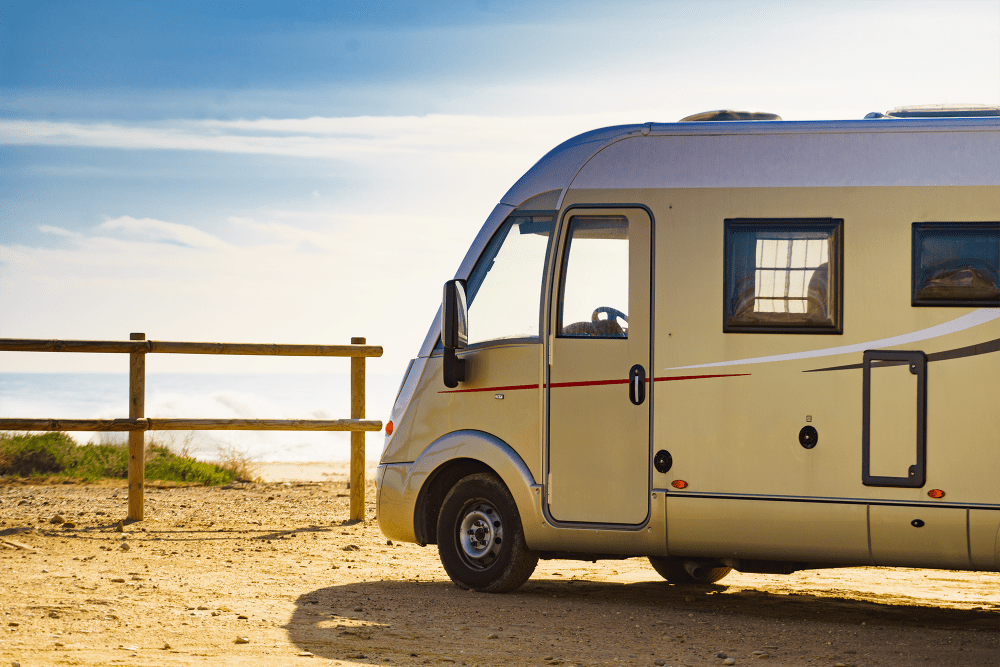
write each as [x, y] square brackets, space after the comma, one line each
[783, 276]
[956, 264]
[593, 296]
[504, 290]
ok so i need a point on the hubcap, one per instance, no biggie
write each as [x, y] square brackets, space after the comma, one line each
[481, 534]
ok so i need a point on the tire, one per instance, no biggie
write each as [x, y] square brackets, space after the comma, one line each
[673, 570]
[480, 539]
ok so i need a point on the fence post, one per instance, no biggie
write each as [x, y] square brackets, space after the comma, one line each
[136, 439]
[357, 437]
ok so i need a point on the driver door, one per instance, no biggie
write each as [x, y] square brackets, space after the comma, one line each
[599, 394]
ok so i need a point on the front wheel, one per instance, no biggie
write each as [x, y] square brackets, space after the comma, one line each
[687, 571]
[480, 539]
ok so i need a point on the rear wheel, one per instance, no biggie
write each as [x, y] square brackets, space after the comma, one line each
[675, 571]
[480, 539]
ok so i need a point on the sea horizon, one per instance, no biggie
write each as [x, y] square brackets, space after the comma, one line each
[104, 395]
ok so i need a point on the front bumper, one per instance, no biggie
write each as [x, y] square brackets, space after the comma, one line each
[394, 503]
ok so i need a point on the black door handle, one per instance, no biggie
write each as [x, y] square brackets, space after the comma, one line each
[637, 384]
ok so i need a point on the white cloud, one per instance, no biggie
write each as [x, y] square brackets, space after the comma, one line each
[374, 276]
[58, 231]
[160, 231]
[330, 138]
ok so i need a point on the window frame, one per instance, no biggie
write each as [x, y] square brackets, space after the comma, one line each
[835, 275]
[477, 275]
[918, 232]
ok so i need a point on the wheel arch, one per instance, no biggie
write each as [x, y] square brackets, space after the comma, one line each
[457, 455]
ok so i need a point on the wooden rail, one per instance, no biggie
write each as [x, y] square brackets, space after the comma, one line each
[138, 347]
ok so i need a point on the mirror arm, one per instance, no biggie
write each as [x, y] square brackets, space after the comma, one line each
[453, 368]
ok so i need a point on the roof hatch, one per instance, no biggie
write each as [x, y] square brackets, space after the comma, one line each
[939, 111]
[726, 114]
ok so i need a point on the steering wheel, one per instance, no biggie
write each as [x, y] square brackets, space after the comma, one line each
[613, 314]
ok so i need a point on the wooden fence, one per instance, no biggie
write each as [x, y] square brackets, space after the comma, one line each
[137, 423]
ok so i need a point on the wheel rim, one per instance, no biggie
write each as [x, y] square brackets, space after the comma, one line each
[480, 534]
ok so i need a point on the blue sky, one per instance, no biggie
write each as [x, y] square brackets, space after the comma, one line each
[308, 172]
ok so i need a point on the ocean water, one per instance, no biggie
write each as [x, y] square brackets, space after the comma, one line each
[210, 396]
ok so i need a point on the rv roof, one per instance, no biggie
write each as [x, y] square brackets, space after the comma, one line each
[770, 154]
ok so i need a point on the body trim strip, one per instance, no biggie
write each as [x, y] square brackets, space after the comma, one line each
[830, 500]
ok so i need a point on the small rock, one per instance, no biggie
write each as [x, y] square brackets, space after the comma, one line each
[729, 661]
[304, 654]
[166, 647]
[388, 543]
[445, 658]
[659, 662]
[57, 519]
[721, 655]
[242, 617]
[355, 655]
[120, 528]
[130, 648]
[125, 546]
[351, 547]
[118, 580]
[53, 614]
[358, 608]
[493, 636]
[59, 645]
[68, 525]
[242, 640]
[202, 608]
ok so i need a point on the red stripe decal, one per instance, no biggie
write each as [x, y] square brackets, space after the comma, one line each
[591, 383]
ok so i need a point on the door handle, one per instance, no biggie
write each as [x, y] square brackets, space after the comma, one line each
[637, 384]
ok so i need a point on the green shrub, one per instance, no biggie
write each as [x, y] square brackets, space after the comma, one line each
[29, 455]
[162, 464]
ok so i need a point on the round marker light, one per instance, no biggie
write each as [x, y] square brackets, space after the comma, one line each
[679, 484]
[936, 493]
[388, 428]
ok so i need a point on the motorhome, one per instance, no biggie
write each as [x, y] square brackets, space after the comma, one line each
[732, 342]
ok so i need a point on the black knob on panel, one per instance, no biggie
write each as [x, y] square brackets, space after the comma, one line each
[663, 461]
[808, 437]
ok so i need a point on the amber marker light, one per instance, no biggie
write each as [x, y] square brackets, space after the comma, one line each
[679, 484]
[388, 428]
[936, 493]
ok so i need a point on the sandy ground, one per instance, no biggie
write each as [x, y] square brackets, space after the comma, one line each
[272, 574]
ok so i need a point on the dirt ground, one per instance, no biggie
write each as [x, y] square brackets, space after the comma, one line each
[272, 574]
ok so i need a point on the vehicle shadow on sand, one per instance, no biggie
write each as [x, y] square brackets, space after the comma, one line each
[570, 621]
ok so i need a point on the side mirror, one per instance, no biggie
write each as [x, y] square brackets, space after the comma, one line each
[454, 331]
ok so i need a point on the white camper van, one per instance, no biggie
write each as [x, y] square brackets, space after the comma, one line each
[749, 344]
